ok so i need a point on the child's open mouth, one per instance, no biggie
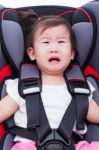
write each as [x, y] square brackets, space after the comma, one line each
[54, 60]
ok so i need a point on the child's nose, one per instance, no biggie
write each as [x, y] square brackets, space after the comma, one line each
[53, 51]
[54, 48]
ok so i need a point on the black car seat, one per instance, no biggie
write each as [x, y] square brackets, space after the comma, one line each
[5, 70]
[92, 68]
[11, 20]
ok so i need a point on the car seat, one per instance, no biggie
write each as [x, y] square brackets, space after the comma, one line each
[92, 8]
[5, 71]
[11, 19]
[8, 23]
[92, 68]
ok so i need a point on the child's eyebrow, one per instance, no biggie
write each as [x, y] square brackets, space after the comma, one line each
[45, 37]
[63, 37]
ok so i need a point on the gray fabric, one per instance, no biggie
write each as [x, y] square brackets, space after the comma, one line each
[3, 91]
[93, 129]
[75, 73]
[96, 94]
[14, 41]
[94, 8]
[29, 72]
[2, 58]
[92, 133]
[84, 34]
[8, 143]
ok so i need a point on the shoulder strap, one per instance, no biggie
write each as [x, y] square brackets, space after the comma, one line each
[29, 89]
[67, 123]
[78, 107]
[79, 88]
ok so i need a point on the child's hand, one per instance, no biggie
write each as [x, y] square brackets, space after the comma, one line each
[93, 112]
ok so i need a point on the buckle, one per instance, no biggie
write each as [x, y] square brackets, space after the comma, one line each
[29, 81]
[54, 145]
[29, 86]
[79, 87]
[54, 141]
[76, 81]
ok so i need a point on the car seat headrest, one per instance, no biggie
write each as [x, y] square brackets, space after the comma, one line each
[93, 9]
[16, 46]
[13, 36]
[13, 39]
[2, 57]
[84, 32]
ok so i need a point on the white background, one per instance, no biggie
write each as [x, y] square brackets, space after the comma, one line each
[21, 3]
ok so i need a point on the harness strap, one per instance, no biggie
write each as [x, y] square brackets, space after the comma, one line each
[24, 132]
[37, 119]
[38, 133]
[78, 87]
[33, 110]
[82, 108]
[44, 129]
[68, 120]
[29, 89]
[60, 138]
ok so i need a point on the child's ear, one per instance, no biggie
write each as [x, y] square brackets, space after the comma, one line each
[72, 54]
[31, 53]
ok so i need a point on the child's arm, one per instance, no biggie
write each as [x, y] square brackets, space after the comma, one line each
[7, 107]
[93, 112]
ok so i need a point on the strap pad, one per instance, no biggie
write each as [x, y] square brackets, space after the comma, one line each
[76, 81]
[29, 80]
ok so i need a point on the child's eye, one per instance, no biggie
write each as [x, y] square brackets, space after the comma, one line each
[46, 42]
[61, 41]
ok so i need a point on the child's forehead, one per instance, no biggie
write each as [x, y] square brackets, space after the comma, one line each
[47, 29]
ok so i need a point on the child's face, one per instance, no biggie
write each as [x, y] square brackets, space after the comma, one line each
[52, 50]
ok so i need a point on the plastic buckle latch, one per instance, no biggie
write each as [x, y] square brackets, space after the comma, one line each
[54, 141]
[29, 86]
[79, 87]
